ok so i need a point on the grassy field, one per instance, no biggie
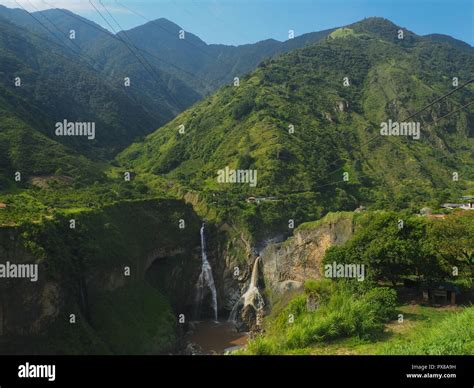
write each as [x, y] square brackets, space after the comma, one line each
[418, 322]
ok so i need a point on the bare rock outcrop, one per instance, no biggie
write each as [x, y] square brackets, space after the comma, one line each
[288, 264]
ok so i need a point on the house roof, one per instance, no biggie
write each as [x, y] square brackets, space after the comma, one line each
[443, 286]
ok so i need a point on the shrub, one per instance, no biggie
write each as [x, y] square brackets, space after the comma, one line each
[321, 289]
[242, 109]
[382, 302]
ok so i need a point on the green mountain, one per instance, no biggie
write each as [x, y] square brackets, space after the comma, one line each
[28, 114]
[29, 152]
[153, 98]
[336, 127]
[167, 74]
[57, 85]
[312, 140]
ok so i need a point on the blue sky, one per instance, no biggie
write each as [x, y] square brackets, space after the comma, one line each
[248, 21]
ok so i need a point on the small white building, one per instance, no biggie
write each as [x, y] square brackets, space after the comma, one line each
[451, 205]
[468, 205]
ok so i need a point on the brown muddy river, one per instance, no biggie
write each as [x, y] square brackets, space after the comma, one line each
[217, 337]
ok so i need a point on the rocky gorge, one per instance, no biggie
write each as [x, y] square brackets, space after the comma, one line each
[136, 254]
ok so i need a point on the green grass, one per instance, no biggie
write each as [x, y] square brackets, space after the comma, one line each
[342, 33]
[361, 319]
[332, 217]
[445, 335]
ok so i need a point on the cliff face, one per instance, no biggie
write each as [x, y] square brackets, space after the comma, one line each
[103, 262]
[236, 264]
[288, 264]
[26, 307]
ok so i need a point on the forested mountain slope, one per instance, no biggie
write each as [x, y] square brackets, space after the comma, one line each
[167, 74]
[301, 127]
[43, 82]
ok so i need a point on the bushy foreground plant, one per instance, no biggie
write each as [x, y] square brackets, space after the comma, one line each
[341, 312]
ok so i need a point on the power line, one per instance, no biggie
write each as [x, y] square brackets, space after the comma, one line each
[150, 70]
[45, 27]
[171, 33]
[79, 53]
[170, 93]
[44, 38]
[174, 35]
[369, 141]
[446, 115]
[203, 82]
[43, 14]
[436, 121]
[450, 113]
[61, 44]
[380, 175]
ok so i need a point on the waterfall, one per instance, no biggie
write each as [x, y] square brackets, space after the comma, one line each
[205, 279]
[254, 277]
[251, 297]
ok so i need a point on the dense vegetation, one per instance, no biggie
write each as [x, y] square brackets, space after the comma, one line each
[57, 85]
[83, 80]
[43, 197]
[167, 74]
[114, 235]
[424, 330]
[136, 319]
[29, 152]
[421, 249]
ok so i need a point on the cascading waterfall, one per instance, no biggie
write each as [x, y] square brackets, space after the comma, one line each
[205, 279]
[251, 297]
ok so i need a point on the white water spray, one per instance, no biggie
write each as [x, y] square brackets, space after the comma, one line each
[251, 297]
[206, 279]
